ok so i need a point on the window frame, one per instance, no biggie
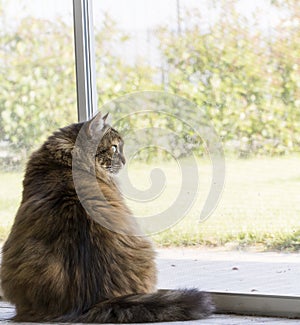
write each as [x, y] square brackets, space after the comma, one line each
[85, 59]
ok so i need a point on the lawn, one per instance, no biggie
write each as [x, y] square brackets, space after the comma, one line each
[260, 205]
[10, 196]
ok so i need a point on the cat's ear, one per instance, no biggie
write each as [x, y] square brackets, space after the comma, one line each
[95, 125]
[107, 119]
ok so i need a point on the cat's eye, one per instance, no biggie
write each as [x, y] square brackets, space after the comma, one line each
[114, 148]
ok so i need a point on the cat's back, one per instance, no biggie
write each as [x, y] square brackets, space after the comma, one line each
[48, 197]
[44, 176]
[48, 175]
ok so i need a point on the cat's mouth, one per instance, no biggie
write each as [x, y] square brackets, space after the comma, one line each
[114, 169]
[116, 164]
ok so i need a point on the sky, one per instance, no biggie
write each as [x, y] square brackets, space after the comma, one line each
[129, 14]
[138, 18]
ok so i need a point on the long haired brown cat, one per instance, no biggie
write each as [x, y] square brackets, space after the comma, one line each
[62, 264]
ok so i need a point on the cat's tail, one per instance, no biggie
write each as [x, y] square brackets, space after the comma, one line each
[161, 306]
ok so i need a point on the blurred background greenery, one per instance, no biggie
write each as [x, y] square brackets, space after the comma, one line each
[246, 79]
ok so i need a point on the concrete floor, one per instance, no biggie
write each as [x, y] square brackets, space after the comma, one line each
[210, 270]
[222, 271]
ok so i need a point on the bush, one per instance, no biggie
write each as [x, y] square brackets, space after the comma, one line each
[247, 83]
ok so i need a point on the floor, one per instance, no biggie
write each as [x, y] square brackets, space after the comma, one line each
[275, 273]
[222, 271]
[7, 311]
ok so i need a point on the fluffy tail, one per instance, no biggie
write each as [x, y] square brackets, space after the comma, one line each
[161, 306]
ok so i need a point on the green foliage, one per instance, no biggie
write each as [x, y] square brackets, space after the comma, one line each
[116, 77]
[244, 81]
[37, 83]
[247, 81]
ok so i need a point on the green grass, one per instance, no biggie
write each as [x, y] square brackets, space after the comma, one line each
[260, 205]
[10, 196]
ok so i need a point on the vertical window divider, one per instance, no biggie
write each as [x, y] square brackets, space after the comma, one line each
[85, 59]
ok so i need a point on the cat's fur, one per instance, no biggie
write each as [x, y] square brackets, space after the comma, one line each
[60, 264]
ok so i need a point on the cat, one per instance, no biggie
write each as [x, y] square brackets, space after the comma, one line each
[64, 263]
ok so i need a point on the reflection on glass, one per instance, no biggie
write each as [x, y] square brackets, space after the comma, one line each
[238, 62]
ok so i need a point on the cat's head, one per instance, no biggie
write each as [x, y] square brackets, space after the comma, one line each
[87, 145]
[109, 152]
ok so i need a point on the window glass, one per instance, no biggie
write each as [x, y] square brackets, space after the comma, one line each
[236, 64]
[37, 87]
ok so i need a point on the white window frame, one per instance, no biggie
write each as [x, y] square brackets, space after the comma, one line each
[226, 302]
[85, 59]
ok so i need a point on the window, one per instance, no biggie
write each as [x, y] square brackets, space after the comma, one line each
[227, 67]
[37, 86]
[191, 86]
